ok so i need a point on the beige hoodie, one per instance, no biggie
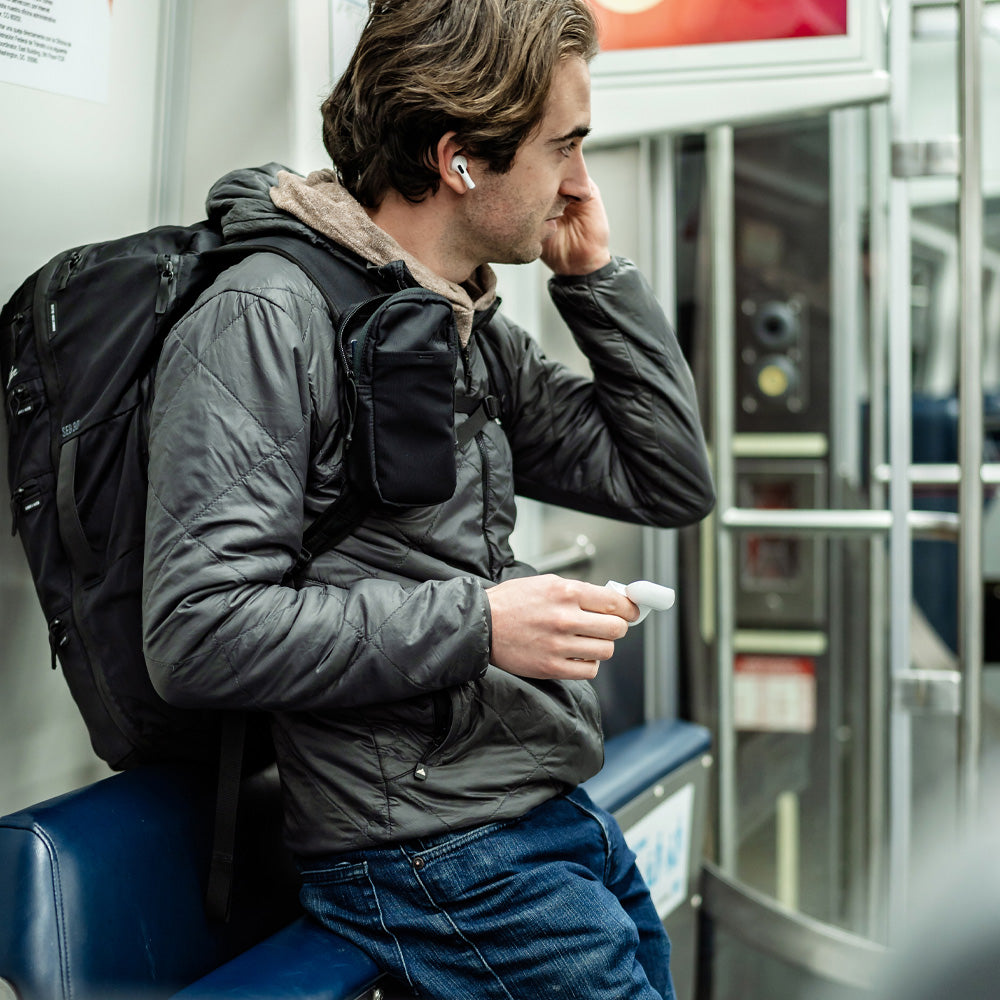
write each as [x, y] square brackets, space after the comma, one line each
[322, 203]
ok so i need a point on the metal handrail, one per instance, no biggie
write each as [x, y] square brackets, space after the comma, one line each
[925, 523]
[581, 553]
[835, 955]
[940, 473]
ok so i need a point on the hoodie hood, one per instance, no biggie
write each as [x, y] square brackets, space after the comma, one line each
[240, 204]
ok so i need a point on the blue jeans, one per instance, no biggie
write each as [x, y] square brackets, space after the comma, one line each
[550, 904]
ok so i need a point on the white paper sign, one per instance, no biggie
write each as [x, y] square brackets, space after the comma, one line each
[774, 693]
[662, 844]
[62, 46]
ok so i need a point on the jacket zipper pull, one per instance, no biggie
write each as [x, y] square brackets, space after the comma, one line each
[467, 367]
[442, 723]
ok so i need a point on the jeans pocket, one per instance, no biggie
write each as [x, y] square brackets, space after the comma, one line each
[342, 897]
[340, 873]
[445, 847]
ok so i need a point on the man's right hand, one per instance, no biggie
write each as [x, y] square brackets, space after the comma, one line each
[546, 627]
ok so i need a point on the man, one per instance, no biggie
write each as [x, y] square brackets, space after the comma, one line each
[431, 712]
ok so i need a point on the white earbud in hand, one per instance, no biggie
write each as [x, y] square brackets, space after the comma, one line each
[648, 596]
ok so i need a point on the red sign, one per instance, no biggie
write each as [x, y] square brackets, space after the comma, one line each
[650, 24]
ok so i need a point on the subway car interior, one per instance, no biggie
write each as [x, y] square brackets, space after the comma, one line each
[803, 750]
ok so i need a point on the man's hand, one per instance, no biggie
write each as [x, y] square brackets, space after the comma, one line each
[547, 627]
[580, 244]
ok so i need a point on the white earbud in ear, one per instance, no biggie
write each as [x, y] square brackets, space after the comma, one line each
[461, 167]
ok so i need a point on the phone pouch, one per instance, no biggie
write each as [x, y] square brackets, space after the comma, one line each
[400, 353]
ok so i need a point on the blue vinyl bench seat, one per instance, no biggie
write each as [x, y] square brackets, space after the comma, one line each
[101, 890]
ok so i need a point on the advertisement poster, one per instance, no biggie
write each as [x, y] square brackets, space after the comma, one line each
[661, 841]
[62, 46]
[646, 24]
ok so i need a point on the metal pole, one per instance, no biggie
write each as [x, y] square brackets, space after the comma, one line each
[721, 191]
[900, 499]
[661, 645]
[970, 395]
[845, 796]
[878, 687]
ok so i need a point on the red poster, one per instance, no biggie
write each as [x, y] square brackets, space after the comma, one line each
[650, 24]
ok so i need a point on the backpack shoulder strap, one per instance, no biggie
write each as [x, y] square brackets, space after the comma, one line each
[324, 266]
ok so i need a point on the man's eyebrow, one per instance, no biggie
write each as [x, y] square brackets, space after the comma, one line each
[580, 132]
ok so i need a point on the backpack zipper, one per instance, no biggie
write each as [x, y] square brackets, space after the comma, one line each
[165, 264]
[13, 327]
[58, 637]
[23, 501]
[21, 402]
[67, 268]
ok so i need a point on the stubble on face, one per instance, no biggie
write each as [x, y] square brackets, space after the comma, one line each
[512, 214]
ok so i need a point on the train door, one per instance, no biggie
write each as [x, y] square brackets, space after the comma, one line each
[836, 274]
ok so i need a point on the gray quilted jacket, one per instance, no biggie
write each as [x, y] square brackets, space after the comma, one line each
[388, 720]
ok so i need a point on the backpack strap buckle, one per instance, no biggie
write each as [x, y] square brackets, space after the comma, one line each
[488, 409]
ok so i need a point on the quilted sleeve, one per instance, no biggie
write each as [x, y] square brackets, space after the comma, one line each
[626, 443]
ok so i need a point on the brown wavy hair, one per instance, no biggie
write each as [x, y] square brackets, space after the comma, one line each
[480, 68]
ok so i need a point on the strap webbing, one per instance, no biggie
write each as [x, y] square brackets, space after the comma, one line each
[488, 409]
[219, 894]
[332, 526]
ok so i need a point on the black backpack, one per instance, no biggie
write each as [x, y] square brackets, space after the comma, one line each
[80, 341]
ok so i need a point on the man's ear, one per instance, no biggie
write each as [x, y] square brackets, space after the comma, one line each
[447, 150]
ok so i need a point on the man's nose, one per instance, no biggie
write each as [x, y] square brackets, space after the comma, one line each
[576, 183]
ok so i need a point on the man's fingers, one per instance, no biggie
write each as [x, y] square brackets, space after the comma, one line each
[606, 601]
[601, 625]
[548, 626]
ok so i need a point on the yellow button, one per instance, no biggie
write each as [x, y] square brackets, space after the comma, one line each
[772, 380]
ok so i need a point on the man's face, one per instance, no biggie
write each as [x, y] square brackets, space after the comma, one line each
[509, 216]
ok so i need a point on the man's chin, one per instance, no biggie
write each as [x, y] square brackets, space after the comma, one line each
[523, 255]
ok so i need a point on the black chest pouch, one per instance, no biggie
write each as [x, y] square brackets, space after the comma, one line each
[400, 353]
